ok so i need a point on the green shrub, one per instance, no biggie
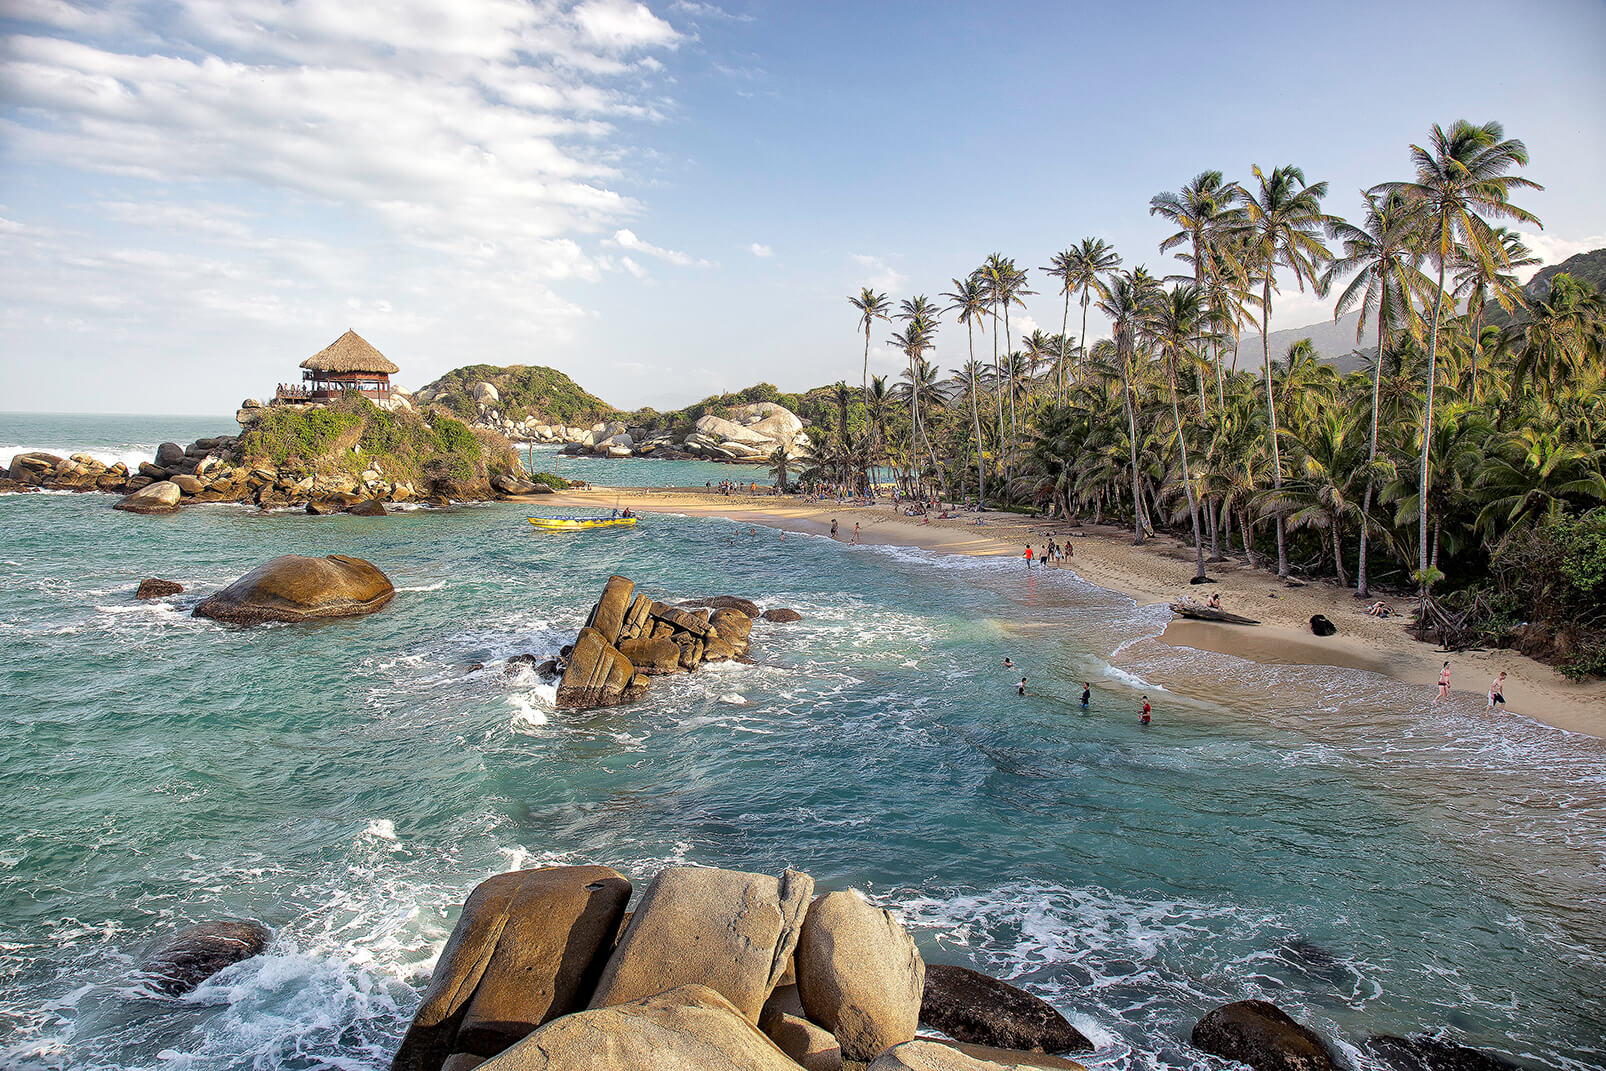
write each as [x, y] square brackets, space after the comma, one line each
[552, 480]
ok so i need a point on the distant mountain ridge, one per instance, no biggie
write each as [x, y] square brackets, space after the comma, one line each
[1336, 341]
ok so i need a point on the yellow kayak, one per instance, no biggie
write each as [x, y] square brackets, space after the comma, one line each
[580, 524]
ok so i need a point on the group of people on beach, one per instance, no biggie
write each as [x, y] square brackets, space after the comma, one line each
[1496, 694]
[1052, 553]
[731, 487]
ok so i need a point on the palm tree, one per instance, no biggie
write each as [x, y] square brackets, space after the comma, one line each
[969, 300]
[872, 307]
[1460, 178]
[1062, 266]
[1006, 286]
[1092, 260]
[1386, 253]
[876, 403]
[1128, 304]
[1563, 337]
[1039, 349]
[1474, 286]
[969, 380]
[780, 460]
[1283, 221]
[1319, 496]
[1177, 324]
[921, 317]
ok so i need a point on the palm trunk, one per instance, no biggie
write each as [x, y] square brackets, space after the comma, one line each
[998, 378]
[1243, 521]
[867, 362]
[1082, 364]
[1271, 415]
[1132, 437]
[975, 413]
[1014, 433]
[1427, 435]
[1187, 480]
[1065, 323]
[1361, 588]
[1338, 556]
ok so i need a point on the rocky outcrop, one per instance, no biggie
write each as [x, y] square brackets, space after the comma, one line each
[932, 1054]
[527, 948]
[969, 1006]
[782, 615]
[752, 433]
[1263, 1036]
[859, 974]
[690, 1028]
[629, 637]
[161, 497]
[784, 1022]
[725, 929]
[296, 588]
[158, 589]
[193, 955]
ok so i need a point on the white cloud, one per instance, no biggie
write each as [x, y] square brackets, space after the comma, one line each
[699, 10]
[877, 274]
[758, 249]
[1553, 249]
[626, 239]
[620, 25]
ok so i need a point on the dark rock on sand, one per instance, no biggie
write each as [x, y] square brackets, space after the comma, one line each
[1430, 1054]
[159, 497]
[158, 589]
[1263, 1036]
[782, 615]
[296, 588]
[969, 1006]
[193, 955]
[1321, 626]
[527, 948]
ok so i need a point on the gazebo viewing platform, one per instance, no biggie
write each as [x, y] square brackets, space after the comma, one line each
[349, 363]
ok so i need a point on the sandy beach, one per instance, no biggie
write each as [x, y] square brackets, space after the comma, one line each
[1159, 571]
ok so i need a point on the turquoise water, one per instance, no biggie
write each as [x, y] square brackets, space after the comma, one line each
[1321, 838]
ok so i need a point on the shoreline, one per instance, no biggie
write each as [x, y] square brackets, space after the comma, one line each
[1159, 571]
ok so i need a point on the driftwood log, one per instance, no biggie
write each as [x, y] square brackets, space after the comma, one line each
[1202, 612]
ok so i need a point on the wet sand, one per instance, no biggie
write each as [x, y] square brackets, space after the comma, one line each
[1159, 571]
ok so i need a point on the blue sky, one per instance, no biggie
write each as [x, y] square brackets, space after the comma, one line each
[669, 199]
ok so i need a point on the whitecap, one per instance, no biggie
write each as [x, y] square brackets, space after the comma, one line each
[426, 587]
[735, 699]
[381, 829]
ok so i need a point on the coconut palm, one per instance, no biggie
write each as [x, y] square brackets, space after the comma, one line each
[1385, 252]
[872, 307]
[1129, 304]
[1461, 177]
[1178, 322]
[1282, 226]
[1092, 259]
[1564, 336]
[969, 299]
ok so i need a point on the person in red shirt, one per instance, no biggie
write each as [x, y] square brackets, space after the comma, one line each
[1028, 555]
[1145, 718]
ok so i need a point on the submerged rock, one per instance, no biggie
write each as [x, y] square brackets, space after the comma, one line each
[1262, 1035]
[859, 974]
[369, 507]
[158, 589]
[782, 615]
[193, 955]
[1431, 1054]
[296, 588]
[969, 1006]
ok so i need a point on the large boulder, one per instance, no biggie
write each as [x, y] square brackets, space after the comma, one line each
[509, 484]
[969, 1006]
[527, 948]
[160, 497]
[725, 602]
[689, 1028]
[169, 455]
[608, 615]
[782, 615]
[597, 674]
[859, 974]
[487, 395]
[734, 627]
[1263, 1036]
[296, 588]
[1431, 1054]
[368, 507]
[193, 955]
[785, 1023]
[33, 466]
[725, 929]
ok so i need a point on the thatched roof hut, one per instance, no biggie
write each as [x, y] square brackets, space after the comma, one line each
[348, 354]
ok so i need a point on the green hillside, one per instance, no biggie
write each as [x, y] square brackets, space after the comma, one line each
[525, 390]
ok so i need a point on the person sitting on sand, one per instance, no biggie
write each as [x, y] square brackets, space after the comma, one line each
[1377, 609]
[1214, 601]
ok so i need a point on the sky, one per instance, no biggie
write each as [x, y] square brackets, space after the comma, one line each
[670, 199]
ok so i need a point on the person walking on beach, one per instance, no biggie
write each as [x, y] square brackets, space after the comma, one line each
[1087, 693]
[855, 532]
[1497, 689]
[1020, 689]
[1028, 557]
[1145, 718]
[1444, 683]
[833, 527]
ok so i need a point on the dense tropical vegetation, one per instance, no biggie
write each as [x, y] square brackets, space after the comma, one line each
[1480, 400]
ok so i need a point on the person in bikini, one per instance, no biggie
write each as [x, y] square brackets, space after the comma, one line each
[1444, 683]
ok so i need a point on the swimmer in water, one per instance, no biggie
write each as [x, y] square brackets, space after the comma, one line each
[1145, 718]
[1087, 693]
[1020, 689]
[1008, 664]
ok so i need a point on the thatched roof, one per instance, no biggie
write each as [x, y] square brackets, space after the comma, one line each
[349, 353]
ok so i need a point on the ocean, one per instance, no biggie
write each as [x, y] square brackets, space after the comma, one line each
[1322, 838]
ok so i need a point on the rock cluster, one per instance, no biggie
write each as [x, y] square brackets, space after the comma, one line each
[752, 433]
[546, 970]
[630, 637]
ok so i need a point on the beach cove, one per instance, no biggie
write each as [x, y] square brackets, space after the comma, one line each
[348, 782]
